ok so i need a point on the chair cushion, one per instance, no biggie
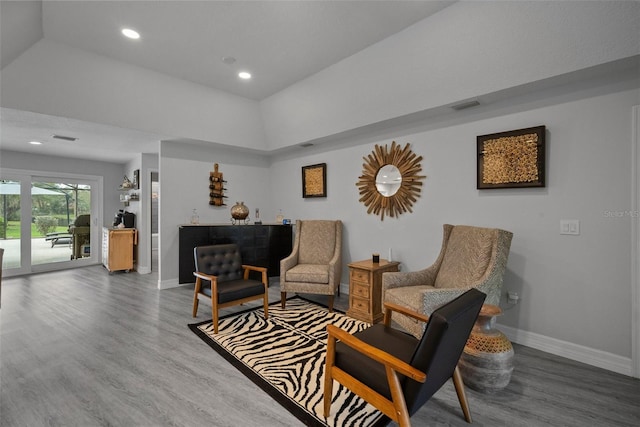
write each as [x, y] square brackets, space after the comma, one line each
[467, 256]
[368, 371]
[308, 273]
[317, 242]
[237, 289]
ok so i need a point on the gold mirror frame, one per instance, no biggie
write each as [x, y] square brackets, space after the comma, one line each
[409, 165]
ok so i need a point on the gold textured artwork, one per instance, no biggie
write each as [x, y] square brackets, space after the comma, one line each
[314, 180]
[408, 165]
[512, 159]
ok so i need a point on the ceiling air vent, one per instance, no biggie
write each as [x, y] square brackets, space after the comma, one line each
[466, 104]
[306, 144]
[66, 138]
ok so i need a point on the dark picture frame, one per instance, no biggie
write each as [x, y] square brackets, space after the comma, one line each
[512, 159]
[314, 180]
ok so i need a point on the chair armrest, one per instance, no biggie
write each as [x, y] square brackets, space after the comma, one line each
[376, 354]
[433, 299]
[263, 270]
[287, 264]
[207, 277]
[254, 268]
[389, 307]
[392, 280]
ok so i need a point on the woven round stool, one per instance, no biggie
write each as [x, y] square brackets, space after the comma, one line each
[487, 360]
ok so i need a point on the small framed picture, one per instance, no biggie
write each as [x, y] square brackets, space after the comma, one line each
[512, 159]
[136, 179]
[314, 180]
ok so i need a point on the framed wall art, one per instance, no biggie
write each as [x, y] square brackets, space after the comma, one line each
[314, 180]
[513, 159]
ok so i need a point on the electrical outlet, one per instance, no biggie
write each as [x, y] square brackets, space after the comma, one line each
[513, 297]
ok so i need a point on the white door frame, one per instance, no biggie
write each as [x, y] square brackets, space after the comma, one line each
[635, 248]
[27, 177]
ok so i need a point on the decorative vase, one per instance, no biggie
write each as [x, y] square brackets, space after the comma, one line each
[239, 211]
[487, 360]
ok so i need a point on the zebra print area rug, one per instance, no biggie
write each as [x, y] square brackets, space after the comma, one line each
[285, 355]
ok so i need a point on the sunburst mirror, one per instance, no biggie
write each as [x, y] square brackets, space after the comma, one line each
[390, 182]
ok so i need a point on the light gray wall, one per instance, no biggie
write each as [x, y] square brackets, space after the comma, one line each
[563, 280]
[184, 186]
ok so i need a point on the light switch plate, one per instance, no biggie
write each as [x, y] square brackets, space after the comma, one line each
[570, 227]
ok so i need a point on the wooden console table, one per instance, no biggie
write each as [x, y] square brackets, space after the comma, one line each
[260, 245]
[365, 289]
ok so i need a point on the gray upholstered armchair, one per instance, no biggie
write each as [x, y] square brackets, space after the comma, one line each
[315, 263]
[471, 257]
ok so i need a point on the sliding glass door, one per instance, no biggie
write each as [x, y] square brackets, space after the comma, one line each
[61, 221]
[48, 222]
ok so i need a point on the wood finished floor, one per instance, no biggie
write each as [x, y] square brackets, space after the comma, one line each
[85, 348]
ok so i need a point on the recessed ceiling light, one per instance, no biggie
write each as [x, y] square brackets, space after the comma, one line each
[35, 142]
[132, 34]
[244, 75]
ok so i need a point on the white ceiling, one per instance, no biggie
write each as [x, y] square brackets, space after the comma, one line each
[279, 42]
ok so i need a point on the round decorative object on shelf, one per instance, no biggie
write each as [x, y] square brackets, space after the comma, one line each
[487, 360]
[239, 212]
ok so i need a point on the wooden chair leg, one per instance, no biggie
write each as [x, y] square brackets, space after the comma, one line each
[195, 305]
[330, 303]
[399, 404]
[328, 378]
[265, 297]
[462, 396]
[195, 297]
[283, 299]
[265, 303]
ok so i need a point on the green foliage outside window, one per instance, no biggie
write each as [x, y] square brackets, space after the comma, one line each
[46, 224]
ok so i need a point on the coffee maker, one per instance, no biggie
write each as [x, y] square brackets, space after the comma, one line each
[126, 218]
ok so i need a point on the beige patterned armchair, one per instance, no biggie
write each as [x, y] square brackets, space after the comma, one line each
[315, 263]
[471, 257]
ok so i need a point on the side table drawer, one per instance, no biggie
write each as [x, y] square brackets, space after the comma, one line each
[359, 275]
[360, 290]
[360, 305]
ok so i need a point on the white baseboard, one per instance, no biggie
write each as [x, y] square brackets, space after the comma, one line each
[143, 270]
[579, 353]
[168, 284]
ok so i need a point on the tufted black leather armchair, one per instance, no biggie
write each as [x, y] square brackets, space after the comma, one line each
[393, 370]
[222, 278]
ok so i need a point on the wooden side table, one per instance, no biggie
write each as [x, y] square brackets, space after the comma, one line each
[365, 289]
